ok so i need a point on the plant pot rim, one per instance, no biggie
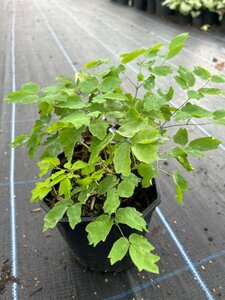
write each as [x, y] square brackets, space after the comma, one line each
[150, 207]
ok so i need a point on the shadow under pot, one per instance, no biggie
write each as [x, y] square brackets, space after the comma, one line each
[96, 258]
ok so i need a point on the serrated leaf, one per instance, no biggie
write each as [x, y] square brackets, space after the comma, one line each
[30, 87]
[140, 254]
[21, 97]
[149, 83]
[77, 118]
[20, 140]
[119, 250]
[112, 201]
[182, 83]
[115, 96]
[166, 95]
[131, 127]
[73, 102]
[66, 80]
[95, 63]
[153, 50]
[145, 136]
[121, 159]
[195, 111]
[204, 144]
[99, 147]
[181, 156]
[131, 217]
[68, 138]
[46, 164]
[219, 114]
[153, 102]
[99, 129]
[41, 190]
[125, 189]
[140, 76]
[187, 75]
[74, 214]
[210, 91]
[109, 84]
[218, 78]
[127, 57]
[181, 185]
[65, 187]
[148, 172]
[174, 51]
[145, 153]
[162, 71]
[106, 184]
[178, 40]
[88, 85]
[56, 213]
[181, 137]
[79, 164]
[202, 73]
[99, 229]
[194, 95]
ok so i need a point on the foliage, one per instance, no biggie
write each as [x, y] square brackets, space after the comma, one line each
[114, 141]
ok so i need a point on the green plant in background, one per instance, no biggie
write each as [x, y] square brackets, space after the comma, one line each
[114, 141]
[185, 7]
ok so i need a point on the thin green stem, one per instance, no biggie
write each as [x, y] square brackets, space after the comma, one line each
[165, 172]
[188, 124]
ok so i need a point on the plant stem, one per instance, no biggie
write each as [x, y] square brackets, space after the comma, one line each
[120, 229]
[165, 172]
[188, 124]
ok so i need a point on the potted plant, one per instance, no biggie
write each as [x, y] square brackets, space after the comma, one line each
[103, 150]
[151, 6]
[140, 4]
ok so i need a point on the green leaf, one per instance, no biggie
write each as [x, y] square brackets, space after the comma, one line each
[77, 118]
[56, 213]
[148, 172]
[192, 110]
[41, 190]
[115, 96]
[112, 202]
[140, 76]
[109, 84]
[65, 187]
[119, 250]
[54, 98]
[106, 184]
[210, 91]
[204, 144]
[145, 136]
[154, 50]
[145, 153]
[127, 57]
[30, 87]
[74, 214]
[99, 229]
[194, 95]
[153, 102]
[46, 164]
[149, 83]
[181, 156]
[187, 75]
[20, 140]
[218, 78]
[131, 127]
[73, 102]
[57, 177]
[178, 40]
[181, 185]
[68, 138]
[79, 164]
[95, 63]
[219, 114]
[99, 147]
[174, 51]
[89, 85]
[131, 217]
[162, 71]
[182, 83]
[21, 97]
[181, 137]
[140, 254]
[125, 189]
[122, 159]
[202, 73]
[99, 129]
[64, 79]
[166, 95]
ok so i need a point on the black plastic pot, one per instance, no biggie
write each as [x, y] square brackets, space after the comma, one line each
[125, 2]
[151, 6]
[198, 21]
[161, 11]
[184, 20]
[223, 23]
[140, 4]
[95, 258]
[210, 18]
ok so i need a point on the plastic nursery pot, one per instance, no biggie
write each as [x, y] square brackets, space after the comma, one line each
[198, 21]
[140, 4]
[125, 2]
[184, 20]
[161, 11]
[210, 18]
[95, 258]
[151, 6]
[223, 23]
